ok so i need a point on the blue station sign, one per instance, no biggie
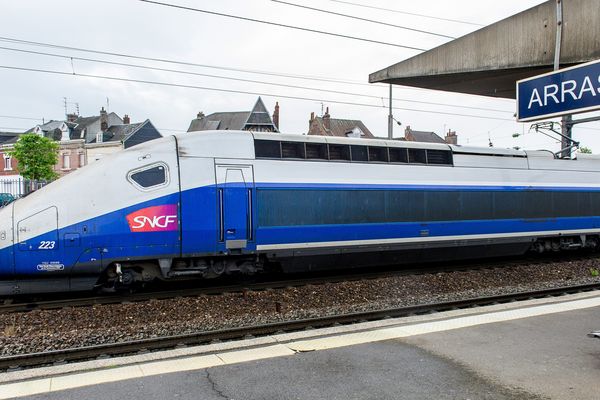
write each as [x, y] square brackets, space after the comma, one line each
[566, 91]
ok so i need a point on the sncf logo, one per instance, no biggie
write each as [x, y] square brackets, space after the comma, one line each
[154, 219]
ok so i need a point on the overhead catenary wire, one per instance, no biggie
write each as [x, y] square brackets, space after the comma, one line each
[180, 62]
[260, 21]
[192, 64]
[255, 93]
[406, 13]
[19, 117]
[364, 19]
[71, 58]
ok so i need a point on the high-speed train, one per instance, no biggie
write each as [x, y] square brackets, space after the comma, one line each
[199, 205]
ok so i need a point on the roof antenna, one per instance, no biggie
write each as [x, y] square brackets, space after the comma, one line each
[65, 104]
[107, 105]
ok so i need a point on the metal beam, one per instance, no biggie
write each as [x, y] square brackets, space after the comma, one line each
[489, 61]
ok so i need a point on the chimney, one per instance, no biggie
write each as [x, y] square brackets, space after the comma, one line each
[72, 117]
[276, 115]
[200, 115]
[327, 120]
[451, 137]
[407, 133]
[126, 119]
[103, 120]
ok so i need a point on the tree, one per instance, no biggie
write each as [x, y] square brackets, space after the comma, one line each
[36, 157]
[585, 150]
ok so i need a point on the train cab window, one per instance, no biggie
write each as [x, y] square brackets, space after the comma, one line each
[267, 149]
[398, 155]
[378, 154]
[339, 152]
[150, 176]
[442, 157]
[316, 151]
[292, 149]
[417, 156]
[359, 153]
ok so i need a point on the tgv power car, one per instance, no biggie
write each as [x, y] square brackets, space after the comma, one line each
[204, 204]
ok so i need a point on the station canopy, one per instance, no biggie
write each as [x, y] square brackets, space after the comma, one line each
[489, 61]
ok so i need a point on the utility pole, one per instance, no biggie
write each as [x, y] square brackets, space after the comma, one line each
[390, 118]
[566, 121]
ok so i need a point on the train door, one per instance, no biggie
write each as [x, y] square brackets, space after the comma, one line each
[38, 253]
[235, 184]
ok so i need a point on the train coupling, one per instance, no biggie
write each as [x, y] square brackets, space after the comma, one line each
[594, 334]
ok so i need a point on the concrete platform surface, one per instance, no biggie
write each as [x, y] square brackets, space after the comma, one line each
[533, 350]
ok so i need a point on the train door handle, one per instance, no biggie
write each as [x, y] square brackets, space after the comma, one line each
[230, 231]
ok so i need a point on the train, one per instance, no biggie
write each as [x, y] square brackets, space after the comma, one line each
[206, 204]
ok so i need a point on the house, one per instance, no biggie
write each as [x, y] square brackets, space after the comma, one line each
[83, 140]
[121, 136]
[256, 120]
[327, 126]
[429, 137]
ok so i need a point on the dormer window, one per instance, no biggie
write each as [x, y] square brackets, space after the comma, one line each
[99, 137]
[356, 132]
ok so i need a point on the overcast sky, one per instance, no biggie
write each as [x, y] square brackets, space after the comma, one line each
[141, 29]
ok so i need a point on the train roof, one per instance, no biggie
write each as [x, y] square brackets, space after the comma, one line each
[241, 144]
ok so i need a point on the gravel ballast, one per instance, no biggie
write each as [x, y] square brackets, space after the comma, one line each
[44, 330]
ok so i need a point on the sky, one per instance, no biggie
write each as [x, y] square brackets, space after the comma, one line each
[222, 47]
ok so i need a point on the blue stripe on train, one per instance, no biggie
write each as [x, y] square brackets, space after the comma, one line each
[199, 222]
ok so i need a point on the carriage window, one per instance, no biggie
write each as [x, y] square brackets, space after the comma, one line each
[417, 156]
[339, 152]
[439, 157]
[292, 149]
[359, 153]
[398, 155]
[316, 151]
[378, 154]
[267, 148]
[150, 176]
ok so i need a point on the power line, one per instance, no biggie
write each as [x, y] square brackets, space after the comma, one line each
[15, 117]
[242, 92]
[188, 63]
[248, 80]
[363, 19]
[280, 25]
[407, 13]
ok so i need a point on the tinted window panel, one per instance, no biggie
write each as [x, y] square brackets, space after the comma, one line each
[416, 156]
[439, 157]
[285, 207]
[316, 151]
[267, 148]
[378, 154]
[359, 153]
[150, 177]
[292, 149]
[398, 155]
[339, 152]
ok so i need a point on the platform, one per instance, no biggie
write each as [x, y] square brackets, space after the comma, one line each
[537, 349]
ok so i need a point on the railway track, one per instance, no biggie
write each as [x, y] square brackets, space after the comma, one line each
[169, 342]
[13, 305]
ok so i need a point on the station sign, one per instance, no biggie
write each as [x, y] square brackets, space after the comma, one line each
[566, 91]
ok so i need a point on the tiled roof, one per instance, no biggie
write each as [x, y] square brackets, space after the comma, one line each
[118, 133]
[9, 137]
[341, 127]
[427, 137]
[222, 121]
